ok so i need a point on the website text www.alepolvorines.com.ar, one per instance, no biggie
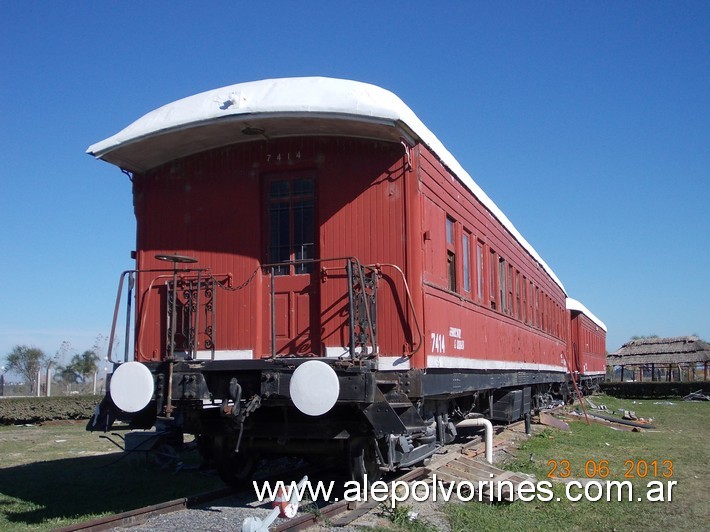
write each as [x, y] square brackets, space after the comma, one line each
[465, 491]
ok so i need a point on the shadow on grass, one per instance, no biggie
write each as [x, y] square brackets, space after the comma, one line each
[74, 489]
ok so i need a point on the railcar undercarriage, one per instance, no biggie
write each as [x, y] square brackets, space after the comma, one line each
[242, 411]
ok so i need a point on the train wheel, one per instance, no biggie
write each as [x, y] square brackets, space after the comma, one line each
[362, 459]
[235, 469]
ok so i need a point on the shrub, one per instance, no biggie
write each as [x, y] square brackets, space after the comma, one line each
[21, 410]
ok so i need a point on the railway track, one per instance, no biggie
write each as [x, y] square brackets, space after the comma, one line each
[141, 515]
[458, 463]
[455, 466]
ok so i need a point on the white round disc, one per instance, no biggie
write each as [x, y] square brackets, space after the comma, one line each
[314, 388]
[131, 386]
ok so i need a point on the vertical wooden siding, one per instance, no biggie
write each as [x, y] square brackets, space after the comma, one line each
[591, 344]
[486, 334]
[211, 206]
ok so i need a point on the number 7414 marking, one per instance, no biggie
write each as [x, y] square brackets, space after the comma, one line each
[438, 343]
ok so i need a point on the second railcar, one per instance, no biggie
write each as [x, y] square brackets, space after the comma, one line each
[587, 346]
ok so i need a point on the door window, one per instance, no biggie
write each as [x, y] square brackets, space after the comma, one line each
[291, 224]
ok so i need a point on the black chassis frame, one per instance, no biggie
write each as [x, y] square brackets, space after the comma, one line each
[199, 385]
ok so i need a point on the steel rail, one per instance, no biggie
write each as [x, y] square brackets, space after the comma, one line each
[141, 515]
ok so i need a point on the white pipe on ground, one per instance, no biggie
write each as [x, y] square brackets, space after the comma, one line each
[481, 422]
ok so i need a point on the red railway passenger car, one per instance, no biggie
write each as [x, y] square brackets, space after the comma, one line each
[587, 346]
[315, 273]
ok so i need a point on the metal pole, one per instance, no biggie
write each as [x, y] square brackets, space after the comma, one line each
[171, 355]
[173, 310]
[128, 317]
[273, 315]
[196, 338]
[48, 380]
[351, 307]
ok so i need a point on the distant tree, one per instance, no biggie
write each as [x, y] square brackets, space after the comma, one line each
[99, 346]
[80, 367]
[63, 353]
[26, 361]
[65, 375]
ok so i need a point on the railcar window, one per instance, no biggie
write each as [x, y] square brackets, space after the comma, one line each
[537, 307]
[466, 252]
[502, 283]
[553, 317]
[479, 270]
[303, 231]
[518, 308]
[531, 310]
[291, 223]
[451, 270]
[451, 253]
[511, 282]
[543, 310]
[493, 278]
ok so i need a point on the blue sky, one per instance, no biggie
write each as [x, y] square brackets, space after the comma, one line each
[588, 123]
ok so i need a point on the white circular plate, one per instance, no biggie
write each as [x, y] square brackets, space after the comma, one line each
[314, 388]
[131, 386]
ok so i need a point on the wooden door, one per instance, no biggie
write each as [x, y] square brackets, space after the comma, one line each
[291, 234]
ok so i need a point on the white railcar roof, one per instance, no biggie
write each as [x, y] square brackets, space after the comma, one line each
[573, 304]
[280, 108]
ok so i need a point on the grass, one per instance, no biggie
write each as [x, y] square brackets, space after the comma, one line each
[682, 436]
[55, 475]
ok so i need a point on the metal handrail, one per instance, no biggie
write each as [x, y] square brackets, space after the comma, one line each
[349, 260]
[411, 304]
[131, 283]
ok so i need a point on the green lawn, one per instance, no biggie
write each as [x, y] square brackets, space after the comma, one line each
[56, 475]
[682, 437]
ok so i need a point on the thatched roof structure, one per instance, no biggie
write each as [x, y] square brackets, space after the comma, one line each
[661, 351]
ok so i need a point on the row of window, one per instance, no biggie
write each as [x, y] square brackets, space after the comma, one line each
[496, 282]
[594, 342]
